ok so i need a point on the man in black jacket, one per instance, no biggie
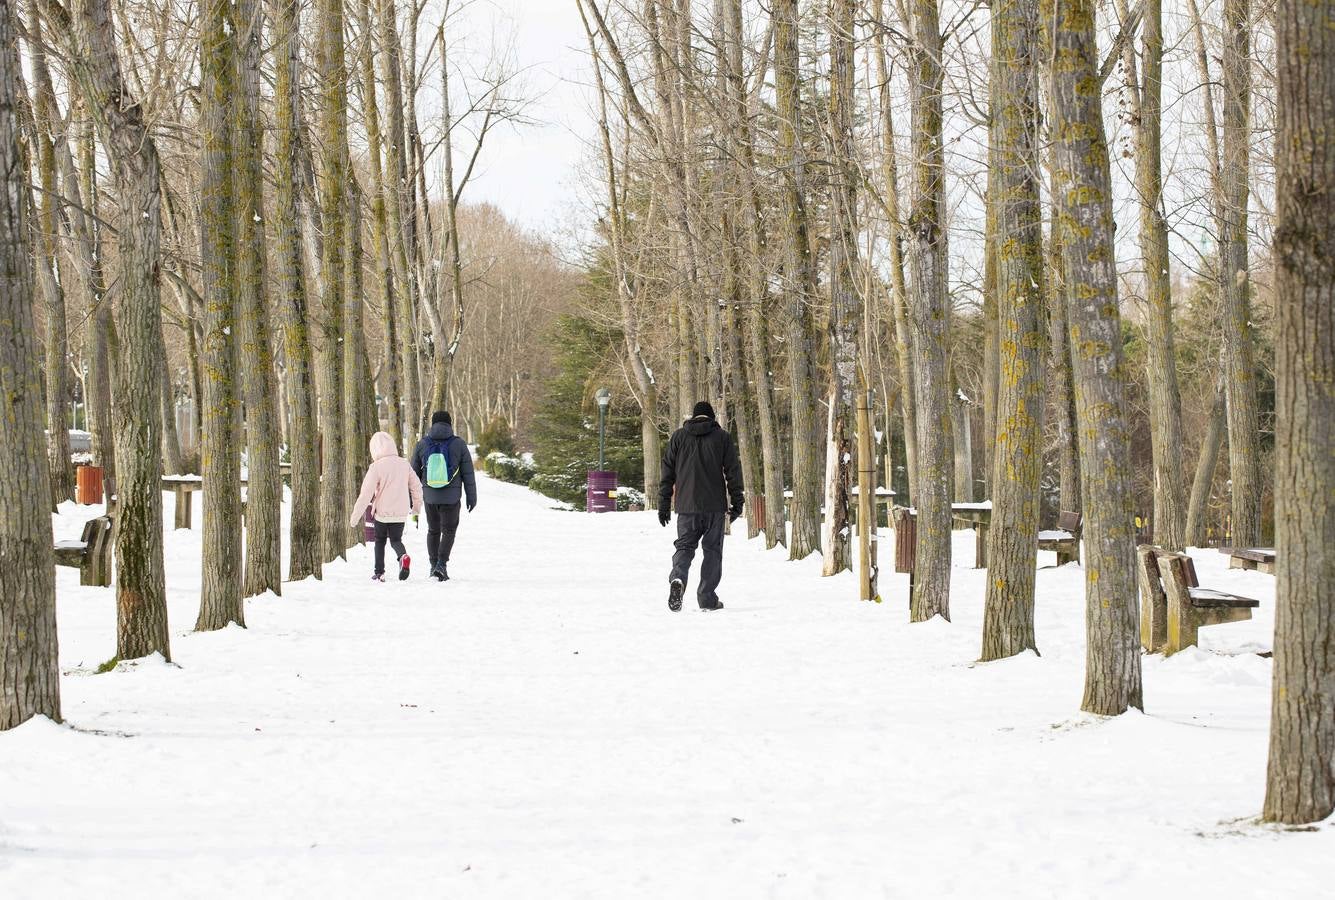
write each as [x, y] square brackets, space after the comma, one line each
[701, 462]
[442, 503]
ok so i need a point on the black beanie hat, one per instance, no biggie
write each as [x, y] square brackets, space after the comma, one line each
[438, 417]
[702, 409]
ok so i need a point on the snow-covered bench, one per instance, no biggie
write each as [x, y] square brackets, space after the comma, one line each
[1064, 539]
[1262, 559]
[1173, 605]
[91, 555]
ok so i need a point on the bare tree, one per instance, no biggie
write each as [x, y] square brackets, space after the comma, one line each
[29, 667]
[845, 301]
[264, 487]
[1008, 621]
[1300, 783]
[929, 315]
[304, 557]
[1244, 441]
[221, 599]
[1083, 185]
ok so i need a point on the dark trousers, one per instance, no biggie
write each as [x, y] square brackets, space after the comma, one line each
[442, 521]
[706, 530]
[393, 533]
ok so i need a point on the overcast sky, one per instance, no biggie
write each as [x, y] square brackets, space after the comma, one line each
[529, 172]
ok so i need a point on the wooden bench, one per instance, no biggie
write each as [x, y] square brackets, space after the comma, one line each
[1173, 605]
[1064, 539]
[92, 554]
[1262, 559]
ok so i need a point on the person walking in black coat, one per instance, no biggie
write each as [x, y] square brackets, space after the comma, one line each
[445, 465]
[701, 463]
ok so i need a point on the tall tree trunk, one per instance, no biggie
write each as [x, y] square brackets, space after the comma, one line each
[1244, 439]
[141, 596]
[899, 290]
[100, 329]
[1300, 783]
[381, 196]
[1165, 404]
[799, 289]
[961, 424]
[757, 294]
[1015, 481]
[259, 382]
[447, 343]
[401, 222]
[49, 277]
[1206, 462]
[335, 172]
[645, 382]
[29, 664]
[1059, 356]
[929, 313]
[172, 461]
[358, 397]
[304, 556]
[1084, 188]
[991, 325]
[845, 301]
[221, 599]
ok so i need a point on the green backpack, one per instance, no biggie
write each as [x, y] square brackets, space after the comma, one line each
[438, 474]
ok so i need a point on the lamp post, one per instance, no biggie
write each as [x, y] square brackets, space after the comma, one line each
[604, 397]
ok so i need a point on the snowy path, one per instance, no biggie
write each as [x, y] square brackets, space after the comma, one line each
[541, 726]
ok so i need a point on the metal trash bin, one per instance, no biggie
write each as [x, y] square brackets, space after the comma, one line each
[601, 493]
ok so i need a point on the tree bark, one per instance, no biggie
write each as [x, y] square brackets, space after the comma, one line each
[1059, 356]
[899, 290]
[1015, 481]
[447, 343]
[381, 197]
[304, 556]
[1244, 450]
[1206, 462]
[799, 289]
[929, 314]
[757, 294]
[49, 276]
[335, 172]
[141, 600]
[1300, 782]
[29, 664]
[259, 382]
[1083, 186]
[221, 599]
[845, 301]
[100, 328]
[1165, 403]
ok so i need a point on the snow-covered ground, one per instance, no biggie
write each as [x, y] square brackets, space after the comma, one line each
[542, 726]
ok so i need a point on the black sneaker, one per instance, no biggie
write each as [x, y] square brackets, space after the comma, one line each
[439, 572]
[718, 604]
[674, 594]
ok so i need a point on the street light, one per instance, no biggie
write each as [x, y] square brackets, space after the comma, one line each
[604, 397]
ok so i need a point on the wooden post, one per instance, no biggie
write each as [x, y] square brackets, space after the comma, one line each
[866, 500]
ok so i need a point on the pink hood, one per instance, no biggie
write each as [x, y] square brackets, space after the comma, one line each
[391, 487]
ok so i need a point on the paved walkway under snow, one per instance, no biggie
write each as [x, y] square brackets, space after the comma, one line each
[541, 726]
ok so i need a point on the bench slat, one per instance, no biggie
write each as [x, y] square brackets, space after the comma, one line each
[1205, 598]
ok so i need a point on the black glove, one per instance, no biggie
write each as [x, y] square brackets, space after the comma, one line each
[471, 504]
[734, 515]
[664, 514]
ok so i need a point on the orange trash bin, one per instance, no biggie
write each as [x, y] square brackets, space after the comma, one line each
[88, 485]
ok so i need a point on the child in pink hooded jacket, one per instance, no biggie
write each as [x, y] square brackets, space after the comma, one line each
[392, 490]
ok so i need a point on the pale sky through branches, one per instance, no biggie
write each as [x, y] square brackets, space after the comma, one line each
[528, 171]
